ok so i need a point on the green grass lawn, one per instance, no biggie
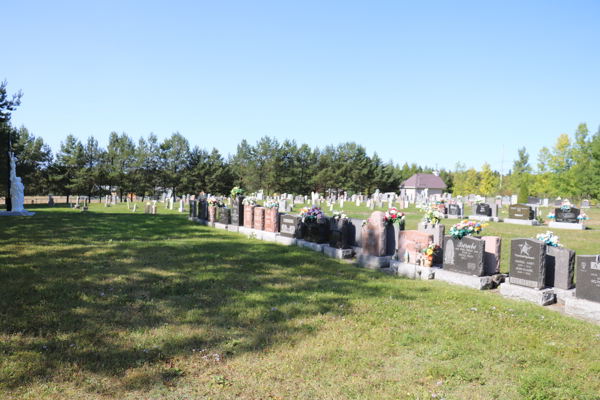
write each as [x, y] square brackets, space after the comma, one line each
[111, 304]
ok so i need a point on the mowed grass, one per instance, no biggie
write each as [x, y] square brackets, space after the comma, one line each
[111, 304]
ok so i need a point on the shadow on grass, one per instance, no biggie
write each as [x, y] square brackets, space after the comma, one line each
[95, 289]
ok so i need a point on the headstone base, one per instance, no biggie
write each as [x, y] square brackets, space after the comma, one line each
[484, 218]
[412, 271]
[192, 219]
[287, 241]
[218, 225]
[233, 228]
[356, 249]
[563, 294]
[566, 225]
[310, 245]
[340, 254]
[454, 217]
[541, 297]
[531, 222]
[456, 278]
[581, 308]
[373, 262]
[23, 213]
[202, 221]
[250, 232]
[269, 236]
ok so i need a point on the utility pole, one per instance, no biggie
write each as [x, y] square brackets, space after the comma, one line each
[502, 167]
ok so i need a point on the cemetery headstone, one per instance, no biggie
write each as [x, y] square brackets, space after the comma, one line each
[271, 219]
[588, 278]
[134, 207]
[212, 214]
[585, 204]
[483, 209]
[249, 216]
[560, 265]
[224, 215]
[464, 255]
[520, 211]
[412, 242]
[237, 211]
[259, 218]
[290, 226]
[491, 257]
[569, 216]
[373, 235]
[154, 208]
[528, 263]
[454, 209]
[338, 233]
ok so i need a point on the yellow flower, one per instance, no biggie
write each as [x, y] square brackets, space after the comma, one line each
[429, 252]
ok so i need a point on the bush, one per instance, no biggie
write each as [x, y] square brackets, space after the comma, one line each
[523, 195]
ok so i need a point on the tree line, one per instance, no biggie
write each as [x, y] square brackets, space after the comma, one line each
[570, 168]
[147, 167]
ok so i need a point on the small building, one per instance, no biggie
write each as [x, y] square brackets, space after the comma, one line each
[422, 185]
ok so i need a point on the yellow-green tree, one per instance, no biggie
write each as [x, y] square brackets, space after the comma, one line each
[489, 182]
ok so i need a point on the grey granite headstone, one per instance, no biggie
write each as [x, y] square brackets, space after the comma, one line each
[560, 264]
[224, 215]
[464, 255]
[588, 278]
[528, 263]
[290, 226]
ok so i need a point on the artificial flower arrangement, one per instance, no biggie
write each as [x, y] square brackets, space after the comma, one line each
[432, 215]
[582, 216]
[339, 215]
[430, 251]
[551, 215]
[236, 191]
[566, 207]
[479, 199]
[213, 202]
[311, 214]
[393, 216]
[272, 204]
[549, 238]
[366, 221]
[467, 228]
[249, 201]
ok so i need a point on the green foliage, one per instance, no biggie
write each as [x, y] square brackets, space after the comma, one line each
[523, 194]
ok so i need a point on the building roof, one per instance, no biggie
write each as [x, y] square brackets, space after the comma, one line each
[422, 181]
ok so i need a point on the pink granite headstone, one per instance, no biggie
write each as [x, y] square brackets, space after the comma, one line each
[412, 242]
[259, 218]
[271, 219]
[491, 256]
[249, 216]
[373, 235]
[212, 213]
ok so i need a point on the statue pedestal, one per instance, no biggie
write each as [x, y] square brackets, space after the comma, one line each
[23, 213]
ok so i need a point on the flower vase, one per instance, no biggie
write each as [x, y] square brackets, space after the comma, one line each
[428, 263]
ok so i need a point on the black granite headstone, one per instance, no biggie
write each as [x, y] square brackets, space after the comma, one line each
[464, 255]
[203, 209]
[237, 211]
[588, 278]
[316, 232]
[520, 211]
[290, 226]
[483, 209]
[567, 216]
[338, 233]
[528, 263]
[354, 232]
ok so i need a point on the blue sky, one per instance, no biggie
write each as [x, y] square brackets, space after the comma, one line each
[431, 82]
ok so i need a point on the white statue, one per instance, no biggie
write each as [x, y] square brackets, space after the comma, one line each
[17, 189]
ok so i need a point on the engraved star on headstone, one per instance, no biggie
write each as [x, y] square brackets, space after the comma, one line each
[525, 247]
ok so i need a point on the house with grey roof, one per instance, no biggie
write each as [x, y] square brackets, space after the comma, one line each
[422, 184]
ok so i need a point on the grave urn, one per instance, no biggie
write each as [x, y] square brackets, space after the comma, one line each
[338, 233]
[315, 231]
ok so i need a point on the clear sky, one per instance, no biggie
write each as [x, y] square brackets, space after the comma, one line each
[421, 81]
